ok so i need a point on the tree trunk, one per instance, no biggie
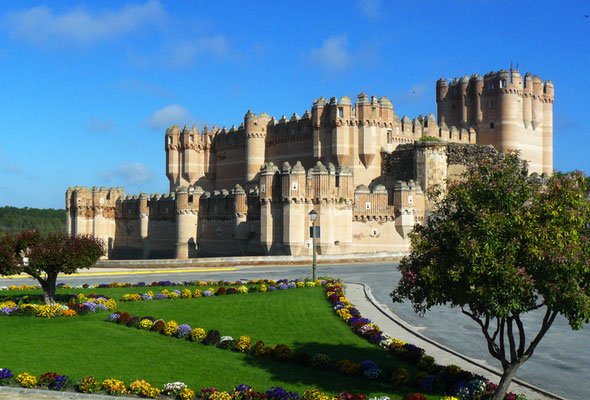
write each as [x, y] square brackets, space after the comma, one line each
[48, 286]
[507, 376]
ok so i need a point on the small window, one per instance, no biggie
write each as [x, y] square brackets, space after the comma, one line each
[294, 186]
[493, 86]
[108, 196]
[341, 112]
[503, 83]
[491, 104]
[169, 139]
[453, 106]
[368, 205]
[190, 198]
[410, 199]
[389, 136]
[491, 125]
[192, 138]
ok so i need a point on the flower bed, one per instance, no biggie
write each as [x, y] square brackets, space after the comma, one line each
[175, 390]
[430, 378]
[76, 305]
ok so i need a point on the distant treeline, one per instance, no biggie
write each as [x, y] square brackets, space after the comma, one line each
[15, 220]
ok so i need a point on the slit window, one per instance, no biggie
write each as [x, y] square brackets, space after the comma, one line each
[491, 125]
[341, 112]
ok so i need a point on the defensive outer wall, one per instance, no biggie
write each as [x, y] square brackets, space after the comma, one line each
[248, 190]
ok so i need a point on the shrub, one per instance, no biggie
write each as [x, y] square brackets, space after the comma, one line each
[26, 380]
[144, 389]
[88, 385]
[114, 387]
[5, 375]
[320, 361]
[282, 352]
[171, 328]
[348, 368]
[400, 377]
[197, 334]
[123, 318]
[278, 393]
[159, 325]
[244, 344]
[212, 337]
[183, 331]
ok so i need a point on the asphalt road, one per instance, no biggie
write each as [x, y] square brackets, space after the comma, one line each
[558, 365]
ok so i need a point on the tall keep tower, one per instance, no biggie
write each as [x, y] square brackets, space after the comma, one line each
[506, 110]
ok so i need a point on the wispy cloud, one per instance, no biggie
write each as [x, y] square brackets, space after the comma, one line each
[43, 26]
[370, 8]
[12, 169]
[413, 95]
[563, 123]
[182, 53]
[144, 87]
[333, 54]
[99, 125]
[169, 115]
[132, 174]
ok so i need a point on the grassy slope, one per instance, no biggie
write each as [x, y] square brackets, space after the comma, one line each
[300, 318]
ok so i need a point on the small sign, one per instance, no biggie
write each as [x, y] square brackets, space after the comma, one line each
[317, 231]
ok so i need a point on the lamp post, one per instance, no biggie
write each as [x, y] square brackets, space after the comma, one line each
[313, 216]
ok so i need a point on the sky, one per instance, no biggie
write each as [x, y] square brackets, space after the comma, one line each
[88, 89]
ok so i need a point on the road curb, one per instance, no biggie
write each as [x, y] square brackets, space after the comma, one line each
[56, 394]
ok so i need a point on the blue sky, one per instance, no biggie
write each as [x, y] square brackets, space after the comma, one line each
[88, 88]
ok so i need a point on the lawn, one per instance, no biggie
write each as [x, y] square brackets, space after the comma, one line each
[301, 318]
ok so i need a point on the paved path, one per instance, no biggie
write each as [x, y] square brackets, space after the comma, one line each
[394, 327]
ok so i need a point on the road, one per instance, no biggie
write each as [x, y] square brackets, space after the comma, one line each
[558, 365]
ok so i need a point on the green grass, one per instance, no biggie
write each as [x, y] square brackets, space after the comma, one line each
[301, 318]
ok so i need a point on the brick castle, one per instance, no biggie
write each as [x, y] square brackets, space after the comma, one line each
[364, 170]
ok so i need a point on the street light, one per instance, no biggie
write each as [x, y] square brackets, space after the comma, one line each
[313, 216]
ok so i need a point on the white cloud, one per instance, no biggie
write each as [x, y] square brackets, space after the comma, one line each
[370, 8]
[169, 115]
[41, 25]
[99, 125]
[332, 55]
[128, 173]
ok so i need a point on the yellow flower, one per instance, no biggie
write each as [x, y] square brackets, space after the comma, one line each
[145, 324]
[111, 304]
[186, 394]
[186, 294]
[197, 334]
[27, 380]
[171, 328]
[197, 293]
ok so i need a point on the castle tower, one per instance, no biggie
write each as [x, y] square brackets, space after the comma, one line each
[172, 146]
[255, 131]
[506, 111]
[294, 215]
[187, 209]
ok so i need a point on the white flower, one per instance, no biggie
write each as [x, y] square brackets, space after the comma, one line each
[226, 338]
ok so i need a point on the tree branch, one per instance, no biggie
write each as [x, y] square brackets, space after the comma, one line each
[502, 345]
[492, 346]
[497, 329]
[521, 335]
[511, 340]
[547, 321]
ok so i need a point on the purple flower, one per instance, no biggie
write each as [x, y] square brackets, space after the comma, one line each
[278, 393]
[271, 288]
[113, 317]
[91, 306]
[183, 330]
[177, 292]
[140, 284]
[5, 310]
[146, 296]
[5, 375]
[101, 307]
[282, 286]
[160, 296]
[368, 364]
[292, 285]
[207, 293]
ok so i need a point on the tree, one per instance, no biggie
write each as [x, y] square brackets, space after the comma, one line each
[500, 244]
[47, 256]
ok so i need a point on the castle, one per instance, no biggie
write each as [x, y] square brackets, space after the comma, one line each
[249, 189]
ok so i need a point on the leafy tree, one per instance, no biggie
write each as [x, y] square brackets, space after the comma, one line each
[47, 256]
[498, 245]
[14, 220]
